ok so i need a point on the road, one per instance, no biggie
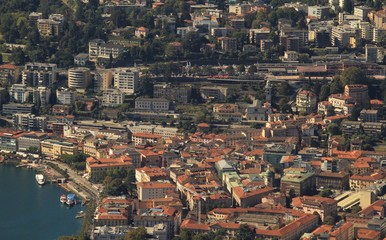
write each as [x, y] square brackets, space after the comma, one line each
[84, 184]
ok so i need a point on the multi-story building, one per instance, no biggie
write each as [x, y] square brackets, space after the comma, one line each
[216, 93]
[39, 74]
[310, 204]
[55, 149]
[341, 103]
[371, 53]
[256, 36]
[306, 101]
[152, 104]
[358, 92]
[97, 48]
[178, 94]
[342, 230]
[97, 168]
[320, 12]
[297, 182]
[33, 18]
[228, 44]
[112, 211]
[49, 27]
[20, 93]
[79, 78]
[41, 96]
[167, 216]
[103, 79]
[112, 97]
[363, 182]
[369, 115]
[149, 190]
[29, 122]
[249, 196]
[362, 12]
[322, 38]
[8, 140]
[343, 36]
[9, 74]
[333, 180]
[11, 108]
[126, 80]
[144, 138]
[66, 96]
[30, 142]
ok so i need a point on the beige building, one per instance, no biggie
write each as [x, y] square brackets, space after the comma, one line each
[97, 168]
[112, 97]
[306, 101]
[55, 149]
[103, 79]
[310, 204]
[150, 190]
[79, 78]
[143, 138]
[152, 104]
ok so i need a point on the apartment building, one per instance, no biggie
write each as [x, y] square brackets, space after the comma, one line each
[79, 78]
[216, 93]
[306, 101]
[29, 122]
[150, 190]
[9, 74]
[8, 140]
[49, 27]
[97, 48]
[145, 138]
[103, 79]
[297, 182]
[126, 80]
[39, 74]
[112, 97]
[66, 96]
[11, 108]
[20, 93]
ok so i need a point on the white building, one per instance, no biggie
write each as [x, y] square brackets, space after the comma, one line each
[97, 48]
[29, 122]
[152, 104]
[66, 96]
[112, 97]
[126, 81]
[41, 96]
[20, 92]
[79, 78]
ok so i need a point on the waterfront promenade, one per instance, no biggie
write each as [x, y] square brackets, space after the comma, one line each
[79, 181]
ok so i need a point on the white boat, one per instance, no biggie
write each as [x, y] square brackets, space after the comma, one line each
[63, 198]
[40, 179]
[80, 214]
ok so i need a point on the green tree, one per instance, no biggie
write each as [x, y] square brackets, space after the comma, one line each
[354, 75]
[356, 209]
[325, 193]
[336, 86]
[329, 220]
[136, 234]
[252, 69]
[333, 129]
[245, 233]
[324, 92]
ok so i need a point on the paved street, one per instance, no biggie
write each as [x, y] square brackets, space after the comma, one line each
[84, 184]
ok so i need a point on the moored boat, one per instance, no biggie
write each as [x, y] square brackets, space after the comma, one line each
[63, 199]
[80, 214]
[70, 199]
[40, 179]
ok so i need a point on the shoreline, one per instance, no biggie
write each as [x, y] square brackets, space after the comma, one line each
[52, 177]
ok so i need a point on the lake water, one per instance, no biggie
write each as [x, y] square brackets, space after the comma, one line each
[29, 211]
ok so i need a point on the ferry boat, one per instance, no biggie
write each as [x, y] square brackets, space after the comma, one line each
[63, 198]
[71, 199]
[40, 179]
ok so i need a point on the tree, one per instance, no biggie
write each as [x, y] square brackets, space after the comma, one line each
[329, 220]
[356, 209]
[336, 86]
[18, 56]
[333, 129]
[245, 233]
[324, 92]
[354, 75]
[136, 234]
[325, 193]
